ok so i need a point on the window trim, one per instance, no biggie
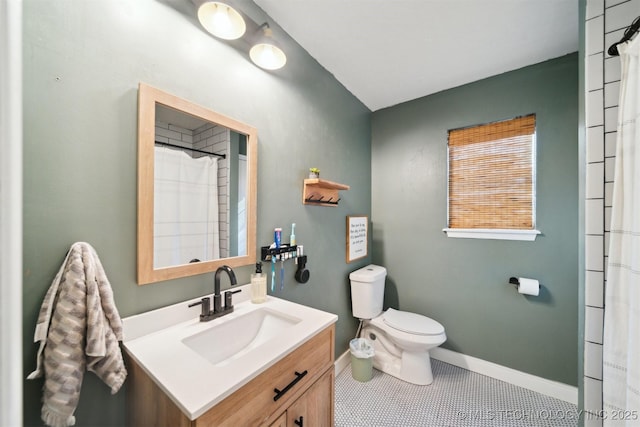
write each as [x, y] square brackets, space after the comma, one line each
[489, 233]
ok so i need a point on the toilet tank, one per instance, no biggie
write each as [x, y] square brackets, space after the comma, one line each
[367, 291]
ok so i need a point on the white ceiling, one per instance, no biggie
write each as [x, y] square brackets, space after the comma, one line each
[390, 51]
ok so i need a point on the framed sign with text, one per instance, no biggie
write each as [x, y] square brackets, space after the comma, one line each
[357, 237]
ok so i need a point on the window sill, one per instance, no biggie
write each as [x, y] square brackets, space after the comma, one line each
[485, 233]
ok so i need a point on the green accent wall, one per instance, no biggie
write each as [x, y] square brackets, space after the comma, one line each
[83, 61]
[463, 283]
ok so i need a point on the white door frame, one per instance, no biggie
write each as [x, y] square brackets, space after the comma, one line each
[11, 212]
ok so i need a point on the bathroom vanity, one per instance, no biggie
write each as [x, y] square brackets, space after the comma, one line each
[267, 364]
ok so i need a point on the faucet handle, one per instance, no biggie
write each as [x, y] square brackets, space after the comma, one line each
[228, 303]
[206, 306]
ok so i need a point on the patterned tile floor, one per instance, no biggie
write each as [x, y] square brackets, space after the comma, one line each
[456, 398]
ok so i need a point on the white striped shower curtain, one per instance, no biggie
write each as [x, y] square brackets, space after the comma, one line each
[621, 345]
[185, 214]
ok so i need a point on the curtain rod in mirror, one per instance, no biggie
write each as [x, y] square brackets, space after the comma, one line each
[166, 144]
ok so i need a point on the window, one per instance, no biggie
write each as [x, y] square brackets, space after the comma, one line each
[492, 180]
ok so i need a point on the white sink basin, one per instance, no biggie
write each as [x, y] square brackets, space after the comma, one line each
[198, 364]
[224, 343]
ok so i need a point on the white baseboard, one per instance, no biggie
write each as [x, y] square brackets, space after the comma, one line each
[541, 385]
[342, 362]
[547, 387]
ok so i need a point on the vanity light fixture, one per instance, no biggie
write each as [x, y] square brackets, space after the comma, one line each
[266, 53]
[221, 20]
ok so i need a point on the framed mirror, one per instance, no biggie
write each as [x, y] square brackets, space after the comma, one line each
[197, 174]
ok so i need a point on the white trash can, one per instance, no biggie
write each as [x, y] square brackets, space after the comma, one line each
[361, 359]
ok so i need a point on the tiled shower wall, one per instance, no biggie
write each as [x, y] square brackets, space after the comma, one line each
[606, 21]
[216, 139]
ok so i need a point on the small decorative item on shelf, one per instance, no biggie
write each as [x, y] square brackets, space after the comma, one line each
[314, 173]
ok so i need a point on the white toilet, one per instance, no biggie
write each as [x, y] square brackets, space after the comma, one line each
[401, 340]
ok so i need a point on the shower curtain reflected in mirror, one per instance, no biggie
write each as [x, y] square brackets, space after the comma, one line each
[621, 345]
[186, 222]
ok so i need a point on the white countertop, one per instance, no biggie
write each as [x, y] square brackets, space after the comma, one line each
[154, 340]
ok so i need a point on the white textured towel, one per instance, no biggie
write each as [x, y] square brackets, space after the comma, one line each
[78, 329]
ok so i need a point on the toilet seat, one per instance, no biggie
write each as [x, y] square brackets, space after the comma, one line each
[412, 323]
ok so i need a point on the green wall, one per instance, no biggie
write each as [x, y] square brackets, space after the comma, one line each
[82, 64]
[463, 283]
[83, 61]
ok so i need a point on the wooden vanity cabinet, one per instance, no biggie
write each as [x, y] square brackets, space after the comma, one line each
[305, 379]
[313, 408]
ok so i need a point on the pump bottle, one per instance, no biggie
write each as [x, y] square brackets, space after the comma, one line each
[258, 285]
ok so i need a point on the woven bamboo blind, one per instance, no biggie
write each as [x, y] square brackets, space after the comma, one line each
[491, 177]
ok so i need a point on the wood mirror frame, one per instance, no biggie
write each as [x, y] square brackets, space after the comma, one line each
[148, 97]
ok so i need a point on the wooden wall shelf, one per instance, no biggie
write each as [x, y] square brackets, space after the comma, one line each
[321, 192]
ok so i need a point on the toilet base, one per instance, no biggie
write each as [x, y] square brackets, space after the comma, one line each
[411, 367]
[414, 368]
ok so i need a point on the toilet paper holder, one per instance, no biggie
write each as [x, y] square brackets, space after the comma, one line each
[515, 281]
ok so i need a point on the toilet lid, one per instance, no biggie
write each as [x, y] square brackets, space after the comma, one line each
[412, 323]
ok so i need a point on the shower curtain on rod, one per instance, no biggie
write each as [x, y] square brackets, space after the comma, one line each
[185, 213]
[621, 345]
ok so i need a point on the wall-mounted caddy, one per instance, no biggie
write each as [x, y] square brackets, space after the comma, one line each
[321, 192]
[283, 253]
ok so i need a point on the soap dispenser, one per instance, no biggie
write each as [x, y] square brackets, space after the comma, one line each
[258, 285]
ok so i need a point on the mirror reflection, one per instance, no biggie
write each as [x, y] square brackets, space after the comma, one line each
[199, 190]
[196, 188]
